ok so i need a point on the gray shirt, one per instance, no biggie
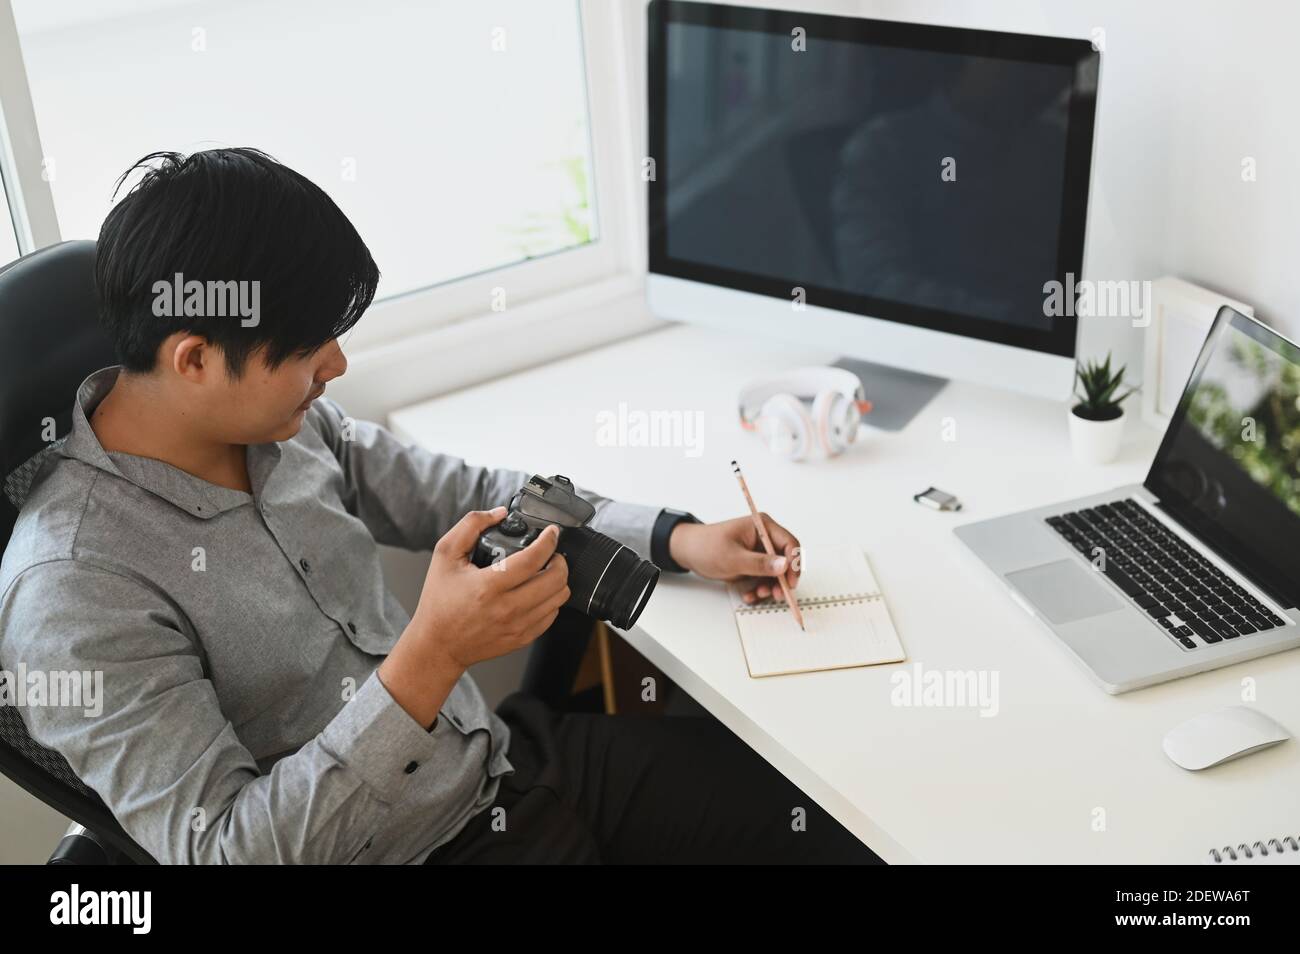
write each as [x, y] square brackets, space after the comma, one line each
[238, 636]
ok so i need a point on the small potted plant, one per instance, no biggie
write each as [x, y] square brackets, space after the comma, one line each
[1097, 420]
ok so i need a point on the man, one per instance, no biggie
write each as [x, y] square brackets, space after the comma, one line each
[207, 538]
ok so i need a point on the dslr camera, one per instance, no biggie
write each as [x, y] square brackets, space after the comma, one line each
[607, 580]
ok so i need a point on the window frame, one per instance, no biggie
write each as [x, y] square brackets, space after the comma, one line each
[31, 203]
[606, 268]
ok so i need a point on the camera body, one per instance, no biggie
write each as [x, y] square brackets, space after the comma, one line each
[606, 579]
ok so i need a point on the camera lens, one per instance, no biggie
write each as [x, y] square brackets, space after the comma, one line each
[606, 579]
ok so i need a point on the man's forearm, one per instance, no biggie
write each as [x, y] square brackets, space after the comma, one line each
[417, 677]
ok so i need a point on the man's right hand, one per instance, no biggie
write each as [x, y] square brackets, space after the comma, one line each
[467, 614]
[475, 613]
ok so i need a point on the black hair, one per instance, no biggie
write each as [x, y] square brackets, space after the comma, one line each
[229, 215]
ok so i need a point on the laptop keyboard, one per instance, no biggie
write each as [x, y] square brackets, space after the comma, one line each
[1168, 580]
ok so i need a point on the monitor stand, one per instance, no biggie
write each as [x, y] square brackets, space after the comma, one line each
[896, 395]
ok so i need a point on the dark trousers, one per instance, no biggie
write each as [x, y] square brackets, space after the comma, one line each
[641, 789]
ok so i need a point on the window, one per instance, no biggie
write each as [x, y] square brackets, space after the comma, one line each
[454, 134]
[8, 237]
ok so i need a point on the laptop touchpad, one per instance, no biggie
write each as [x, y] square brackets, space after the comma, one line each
[1064, 591]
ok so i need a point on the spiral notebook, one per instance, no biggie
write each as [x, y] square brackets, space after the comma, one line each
[847, 621]
[1274, 851]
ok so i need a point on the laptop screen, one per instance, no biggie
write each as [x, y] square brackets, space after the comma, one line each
[1229, 465]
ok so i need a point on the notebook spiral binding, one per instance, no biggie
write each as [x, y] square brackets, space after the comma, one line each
[1263, 849]
[836, 600]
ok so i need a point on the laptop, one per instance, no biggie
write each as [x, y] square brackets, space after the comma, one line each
[1199, 566]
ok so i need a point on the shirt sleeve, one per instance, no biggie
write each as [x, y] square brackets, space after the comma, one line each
[409, 497]
[152, 741]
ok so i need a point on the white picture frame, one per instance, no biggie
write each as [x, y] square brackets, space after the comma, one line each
[1180, 317]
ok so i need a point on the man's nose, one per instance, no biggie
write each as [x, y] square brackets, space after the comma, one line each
[336, 363]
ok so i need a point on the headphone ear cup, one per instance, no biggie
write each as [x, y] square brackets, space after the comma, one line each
[836, 420]
[785, 426]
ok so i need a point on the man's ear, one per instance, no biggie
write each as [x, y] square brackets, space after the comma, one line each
[191, 357]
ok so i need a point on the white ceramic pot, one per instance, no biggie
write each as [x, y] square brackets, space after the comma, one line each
[1096, 442]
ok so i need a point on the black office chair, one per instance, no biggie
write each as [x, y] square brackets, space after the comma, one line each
[50, 340]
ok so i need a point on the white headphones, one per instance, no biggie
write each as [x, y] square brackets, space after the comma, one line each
[775, 409]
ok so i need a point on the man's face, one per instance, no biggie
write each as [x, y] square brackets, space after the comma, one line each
[265, 405]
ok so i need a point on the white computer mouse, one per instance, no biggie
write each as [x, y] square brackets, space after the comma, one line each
[1221, 736]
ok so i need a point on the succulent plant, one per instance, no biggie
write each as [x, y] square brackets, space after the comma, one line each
[1099, 384]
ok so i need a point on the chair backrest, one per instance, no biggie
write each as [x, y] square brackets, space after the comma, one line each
[50, 339]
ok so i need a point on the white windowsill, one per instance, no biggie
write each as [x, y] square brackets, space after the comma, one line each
[452, 356]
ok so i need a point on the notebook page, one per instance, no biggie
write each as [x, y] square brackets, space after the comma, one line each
[858, 633]
[852, 631]
[827, 571]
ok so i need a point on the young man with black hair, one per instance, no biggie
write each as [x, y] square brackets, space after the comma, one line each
[207, 537]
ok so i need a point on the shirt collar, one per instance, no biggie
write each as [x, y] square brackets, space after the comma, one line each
[179, 488]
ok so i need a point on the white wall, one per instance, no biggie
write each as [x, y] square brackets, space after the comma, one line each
[1188, 89]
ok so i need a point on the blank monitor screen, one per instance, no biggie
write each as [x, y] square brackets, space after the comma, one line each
[927, 175]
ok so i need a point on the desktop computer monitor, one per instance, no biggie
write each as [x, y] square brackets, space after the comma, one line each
[899, 194]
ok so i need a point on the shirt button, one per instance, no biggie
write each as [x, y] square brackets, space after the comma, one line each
[411, 767]
[352, 627]
[306, 567]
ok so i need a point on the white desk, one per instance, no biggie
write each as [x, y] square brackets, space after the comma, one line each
[916, 784]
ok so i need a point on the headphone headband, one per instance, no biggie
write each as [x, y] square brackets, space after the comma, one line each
[802, 383]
